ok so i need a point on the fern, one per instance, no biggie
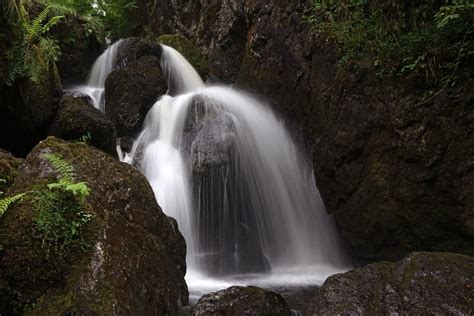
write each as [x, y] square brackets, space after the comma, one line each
[64, 168]
[6, 202]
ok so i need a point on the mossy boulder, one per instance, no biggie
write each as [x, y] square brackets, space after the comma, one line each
[240, 300]
[183, 45]
[130, 258]
[77, 119]
[131, 91]
[8, 169]
[427, 283]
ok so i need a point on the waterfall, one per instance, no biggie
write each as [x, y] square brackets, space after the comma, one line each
[243, 193]
[95, 86]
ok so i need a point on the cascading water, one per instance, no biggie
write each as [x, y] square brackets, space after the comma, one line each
[95, 86]
[243, 193]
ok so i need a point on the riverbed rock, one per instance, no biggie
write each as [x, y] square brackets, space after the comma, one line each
[423, 283]
[389, 158]
[130, 258]
[131, 90]
[239, 300]
[78, 120]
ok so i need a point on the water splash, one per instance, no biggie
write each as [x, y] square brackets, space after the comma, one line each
[95, 86]
[242, 191]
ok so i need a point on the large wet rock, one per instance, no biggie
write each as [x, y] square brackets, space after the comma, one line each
[132, 89]
[391, 167]
[78, 120]
[8, 169]
[129, 259]
[239, 300]
[422, 283]
[134, 48]
[228, 243]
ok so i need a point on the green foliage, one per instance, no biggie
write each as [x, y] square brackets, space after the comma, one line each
[34, 52]
[9, 200]
[60, 220]
[61, 215]
[425, 40]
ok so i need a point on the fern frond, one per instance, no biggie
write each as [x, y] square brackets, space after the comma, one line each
[6, 202]
[63, 167]
[52, 22]
[35, 28]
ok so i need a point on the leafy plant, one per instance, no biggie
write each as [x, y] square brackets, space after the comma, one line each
[61, 215]
[34, 52]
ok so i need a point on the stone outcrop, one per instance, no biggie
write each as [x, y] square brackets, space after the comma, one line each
[239, 300]
[422, 283]
[129, 259]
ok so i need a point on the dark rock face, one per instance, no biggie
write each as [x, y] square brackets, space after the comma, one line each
[133, 261]
[8, 169]
[131, 90]
[76, 119]
[238, 300]
[391, 167]
[79, 46]
[27, 109]
[423, 283]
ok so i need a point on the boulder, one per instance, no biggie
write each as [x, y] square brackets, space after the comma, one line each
[228, 243]
[131, 91]
[423, 283]
[8, 169]
[239, 300]
[133, 48]
[77, 119]
[129, 258]
[188, 50]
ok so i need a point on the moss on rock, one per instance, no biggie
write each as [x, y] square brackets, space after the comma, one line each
[188, 50]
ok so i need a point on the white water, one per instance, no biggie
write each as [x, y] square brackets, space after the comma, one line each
[95, 86]
[267, 187]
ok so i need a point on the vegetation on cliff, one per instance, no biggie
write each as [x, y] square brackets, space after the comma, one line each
[423, 40]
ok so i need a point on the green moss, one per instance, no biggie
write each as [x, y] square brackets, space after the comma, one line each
[188, 49]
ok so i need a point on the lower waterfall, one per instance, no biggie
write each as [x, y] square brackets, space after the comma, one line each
[243, 193]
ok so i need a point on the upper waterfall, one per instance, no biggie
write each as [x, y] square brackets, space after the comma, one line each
[95, 86]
